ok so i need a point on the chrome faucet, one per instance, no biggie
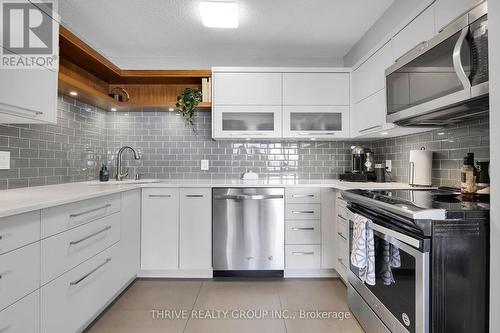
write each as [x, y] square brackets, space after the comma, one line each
[119, 174]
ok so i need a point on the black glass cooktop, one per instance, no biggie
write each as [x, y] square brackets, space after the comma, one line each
[419, 203]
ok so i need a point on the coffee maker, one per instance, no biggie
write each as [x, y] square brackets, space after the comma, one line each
[362, 166]
[358, 159]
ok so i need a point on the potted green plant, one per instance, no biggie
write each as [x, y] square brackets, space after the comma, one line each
[187, 103]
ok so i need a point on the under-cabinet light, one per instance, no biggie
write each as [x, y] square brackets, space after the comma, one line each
[73, 93]
[384, 133]
[219, 14]
[113, 109]
[170, 109]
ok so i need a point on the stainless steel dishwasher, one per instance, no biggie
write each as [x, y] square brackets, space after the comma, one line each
[248, 231]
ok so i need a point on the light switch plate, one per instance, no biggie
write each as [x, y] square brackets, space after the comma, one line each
[4, 160]
[204, 165]
[388, 165]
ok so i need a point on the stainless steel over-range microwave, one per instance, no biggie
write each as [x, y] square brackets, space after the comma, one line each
[443, 80]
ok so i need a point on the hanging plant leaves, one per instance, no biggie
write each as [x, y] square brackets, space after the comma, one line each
[187, 103]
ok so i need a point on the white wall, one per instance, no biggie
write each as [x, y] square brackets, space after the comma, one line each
[494, 44]
[399, 11]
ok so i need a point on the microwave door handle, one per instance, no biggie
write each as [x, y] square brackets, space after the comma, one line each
[457, 59]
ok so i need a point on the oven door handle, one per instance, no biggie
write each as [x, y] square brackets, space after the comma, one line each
[416, 243]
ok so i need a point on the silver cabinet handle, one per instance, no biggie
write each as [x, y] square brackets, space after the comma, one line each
[302, 211]
[302, 195]
[343, 218]
[303, 229]
[303, 253]
[342, 263]
[90, 211]
[341, 235]
[19, 109]
[370, 128]
[90, 236]
[160, 195]
[316, 133]
[194, 195]
[77, 281]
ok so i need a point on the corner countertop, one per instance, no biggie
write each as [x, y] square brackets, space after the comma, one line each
[22, 200]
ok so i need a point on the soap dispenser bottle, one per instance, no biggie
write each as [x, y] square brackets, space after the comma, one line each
[104, 173]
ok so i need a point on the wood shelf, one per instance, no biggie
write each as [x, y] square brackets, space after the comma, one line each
[88, 73]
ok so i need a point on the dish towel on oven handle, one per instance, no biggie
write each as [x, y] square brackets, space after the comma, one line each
[391, 258]
[363, 249]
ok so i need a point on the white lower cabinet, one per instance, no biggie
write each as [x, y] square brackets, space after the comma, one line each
[160, 229]
[130, 239]
[66, 250]
[69, 302]
[303, 256]
[342, 237]
[310, 249]
[22, 316]
[19, 273]
[195, 224]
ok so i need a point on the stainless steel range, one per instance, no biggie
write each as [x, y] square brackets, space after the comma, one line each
[439, 282]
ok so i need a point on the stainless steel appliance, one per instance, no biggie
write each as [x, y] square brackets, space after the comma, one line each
[443, 80]
[248, 231]
[358, 159]
[362, 166]
[440, 280]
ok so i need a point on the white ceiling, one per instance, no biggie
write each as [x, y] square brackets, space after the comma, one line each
[169, 33]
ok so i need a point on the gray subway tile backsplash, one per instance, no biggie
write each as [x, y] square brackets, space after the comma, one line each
[85, 136]
[449, 145]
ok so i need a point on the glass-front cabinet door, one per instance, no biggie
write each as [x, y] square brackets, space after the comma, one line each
[317, 122]
[247, 122]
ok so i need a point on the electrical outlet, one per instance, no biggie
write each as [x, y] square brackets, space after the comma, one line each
[4, 160]
[388, 165]
[204, 165]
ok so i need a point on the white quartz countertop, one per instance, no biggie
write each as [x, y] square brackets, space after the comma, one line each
[17, 201]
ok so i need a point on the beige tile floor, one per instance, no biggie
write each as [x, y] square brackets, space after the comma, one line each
[132, 312]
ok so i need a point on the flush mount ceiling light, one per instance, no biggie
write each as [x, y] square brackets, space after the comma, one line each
[219, 14]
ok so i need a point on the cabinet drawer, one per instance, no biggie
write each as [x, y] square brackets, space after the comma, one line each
[343, 249]
[303, 256]
[342, 269]
[302, 232]
[20, 273]
[61, 218]
[302, 195]
[68, 302]
[19, 230]
[342, 229]
[64, 251]
[22, 316]
[302, 211]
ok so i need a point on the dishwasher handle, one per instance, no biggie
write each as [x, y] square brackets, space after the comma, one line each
[249, 197]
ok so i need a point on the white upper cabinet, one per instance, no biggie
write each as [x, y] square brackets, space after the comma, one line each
[319, 122]
[369, 78]
[29, 95]
[316, 89]
[421, 29]
[448, 10]
[368, 116]
[246, 88]
[249, 121]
